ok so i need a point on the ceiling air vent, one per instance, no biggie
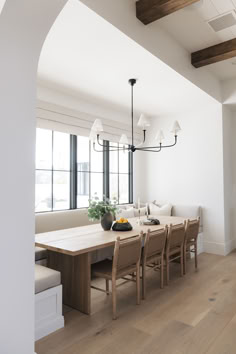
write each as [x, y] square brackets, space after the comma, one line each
[222, 22]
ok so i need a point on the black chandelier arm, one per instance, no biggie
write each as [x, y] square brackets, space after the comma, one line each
[167, 146]
[149, 149]
[162, 146]
[103, 145]
[115, 148]
[112, 146]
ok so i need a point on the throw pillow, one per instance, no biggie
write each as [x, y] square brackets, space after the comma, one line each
[126, 213]
[142, 211]
[164, 210]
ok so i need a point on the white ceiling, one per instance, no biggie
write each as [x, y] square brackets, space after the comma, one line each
[87, 56]
[190, 28]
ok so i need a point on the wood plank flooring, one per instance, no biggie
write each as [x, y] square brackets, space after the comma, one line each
[195, 314]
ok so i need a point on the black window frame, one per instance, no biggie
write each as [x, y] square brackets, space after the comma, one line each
[74, 175]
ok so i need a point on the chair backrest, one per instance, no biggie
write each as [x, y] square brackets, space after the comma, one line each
[155, 242]
[127, 252]
[176, 236]
[192, 229]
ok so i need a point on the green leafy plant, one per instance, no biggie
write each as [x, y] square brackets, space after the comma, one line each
[98, 208]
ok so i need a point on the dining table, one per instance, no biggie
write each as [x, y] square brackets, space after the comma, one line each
[69, 251]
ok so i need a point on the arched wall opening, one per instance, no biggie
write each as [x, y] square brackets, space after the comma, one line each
[23, 28]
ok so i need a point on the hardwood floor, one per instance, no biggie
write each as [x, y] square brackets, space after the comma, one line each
[195, 314]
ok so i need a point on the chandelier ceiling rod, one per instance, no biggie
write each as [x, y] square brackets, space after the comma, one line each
[143, 122]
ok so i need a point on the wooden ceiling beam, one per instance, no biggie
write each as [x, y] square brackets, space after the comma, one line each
[214, 54]
[148, 11]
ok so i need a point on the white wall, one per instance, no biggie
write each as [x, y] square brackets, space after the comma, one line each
[23, 27]
[191, 173]
[229, 166]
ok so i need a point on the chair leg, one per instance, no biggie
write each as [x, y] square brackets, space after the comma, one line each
[107, 286]
[114, 299]
[162, 272]
[138, 283]
[185, 258]
[143, 281]
[181, 262]
[196, 260]
[167, 270]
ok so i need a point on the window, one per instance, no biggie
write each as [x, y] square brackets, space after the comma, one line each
[69, 172]
[120, 175]
[52, 190]
[89, 172]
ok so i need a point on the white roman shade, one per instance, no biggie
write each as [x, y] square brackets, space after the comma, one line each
[63, 119]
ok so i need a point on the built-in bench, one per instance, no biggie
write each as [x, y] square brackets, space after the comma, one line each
[48, 301]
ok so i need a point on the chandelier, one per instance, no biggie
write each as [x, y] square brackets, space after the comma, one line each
[143, 122]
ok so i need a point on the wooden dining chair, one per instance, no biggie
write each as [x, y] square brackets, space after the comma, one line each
[126, 261]
[174, 248]
[153, 255]
[190, 242]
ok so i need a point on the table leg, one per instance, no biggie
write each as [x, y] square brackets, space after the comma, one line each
[75, 278]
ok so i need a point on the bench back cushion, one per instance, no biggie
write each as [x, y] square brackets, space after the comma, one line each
[59, 220]
[188, 211]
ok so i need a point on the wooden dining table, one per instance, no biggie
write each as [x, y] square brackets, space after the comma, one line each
[69, 251]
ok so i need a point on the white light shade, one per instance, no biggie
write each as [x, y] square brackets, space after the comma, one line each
[124, 140]
[144, 121]
[97, 126]
[176, 128]
[92, 135]
[160, 136]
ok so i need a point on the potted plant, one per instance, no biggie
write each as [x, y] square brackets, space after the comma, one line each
[102, 210]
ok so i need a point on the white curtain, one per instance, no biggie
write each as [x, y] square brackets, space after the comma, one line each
[62, 119]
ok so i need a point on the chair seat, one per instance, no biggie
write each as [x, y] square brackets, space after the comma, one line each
[152, 259]
[103, 268]
[40, 253]
[46, 278]
[175, 250]
[191, 243]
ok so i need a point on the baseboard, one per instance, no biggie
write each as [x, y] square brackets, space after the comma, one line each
[221, 249]
[48, 312]
[51, 327]
[229, 246]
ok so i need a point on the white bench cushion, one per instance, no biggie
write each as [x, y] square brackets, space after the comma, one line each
[40, 253]
[188, 211]
[59, 220]
[46, 278]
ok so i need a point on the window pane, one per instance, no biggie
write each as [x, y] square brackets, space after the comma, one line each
[114, 160]
[61, 190]
[61, 151]
[123, 189]
[82, 153]
[97, 185]
[43, 149]
[43, 191]
[123, 161]
[96, 159]
[82, 189]
[114, 186]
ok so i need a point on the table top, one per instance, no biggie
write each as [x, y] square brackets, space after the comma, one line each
[89, 238]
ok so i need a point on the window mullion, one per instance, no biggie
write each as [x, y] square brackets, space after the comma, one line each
[73, 171]
[106, 168]
[52, 204]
